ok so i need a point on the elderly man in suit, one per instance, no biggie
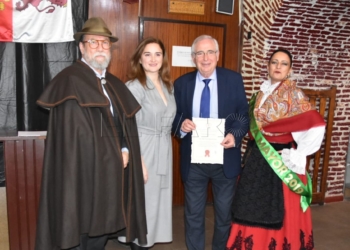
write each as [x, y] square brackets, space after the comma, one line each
[210, 92]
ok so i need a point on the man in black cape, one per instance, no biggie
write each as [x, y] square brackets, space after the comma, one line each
[92, 184]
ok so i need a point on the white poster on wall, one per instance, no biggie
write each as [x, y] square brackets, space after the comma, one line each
[181, 57]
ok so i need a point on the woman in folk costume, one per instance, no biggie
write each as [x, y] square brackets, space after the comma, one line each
[271, 205]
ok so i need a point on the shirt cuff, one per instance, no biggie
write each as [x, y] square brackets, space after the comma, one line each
[182, 134]
[125, 150]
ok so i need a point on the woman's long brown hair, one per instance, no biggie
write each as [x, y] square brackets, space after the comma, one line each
[137, 71]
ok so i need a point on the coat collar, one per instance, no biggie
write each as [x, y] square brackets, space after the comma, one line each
[79, 82]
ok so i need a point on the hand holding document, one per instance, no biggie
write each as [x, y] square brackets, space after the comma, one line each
[206, 139]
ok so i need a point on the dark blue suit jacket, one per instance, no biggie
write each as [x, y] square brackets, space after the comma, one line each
[232, 105]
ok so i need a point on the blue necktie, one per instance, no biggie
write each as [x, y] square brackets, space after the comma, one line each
[205, 100]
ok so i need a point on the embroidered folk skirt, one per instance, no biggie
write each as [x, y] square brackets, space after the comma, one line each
[259, 220]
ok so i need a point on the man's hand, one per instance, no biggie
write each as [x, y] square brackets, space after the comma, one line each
[187, 126]
[229, 141]
[125, 158]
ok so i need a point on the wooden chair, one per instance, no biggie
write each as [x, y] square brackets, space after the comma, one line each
[317, 164]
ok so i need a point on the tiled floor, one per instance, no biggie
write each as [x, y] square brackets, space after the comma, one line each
[331, 228]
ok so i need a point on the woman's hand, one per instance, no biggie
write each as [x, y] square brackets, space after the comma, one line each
[125, 158]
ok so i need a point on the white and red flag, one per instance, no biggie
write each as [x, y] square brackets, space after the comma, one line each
[36, 21]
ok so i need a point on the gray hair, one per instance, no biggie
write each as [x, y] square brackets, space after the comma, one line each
[202, 37]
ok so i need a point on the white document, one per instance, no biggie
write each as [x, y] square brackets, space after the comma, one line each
[206, 139]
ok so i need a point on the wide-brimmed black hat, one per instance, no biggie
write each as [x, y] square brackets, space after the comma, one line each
[95, 26]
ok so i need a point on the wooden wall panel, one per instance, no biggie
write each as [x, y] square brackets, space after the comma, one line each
[4, 232]
[178, 187]
[160, 29]
[122, 20]
[231, 49]
[23, 168]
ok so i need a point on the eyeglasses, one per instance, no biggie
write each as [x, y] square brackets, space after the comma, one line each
[94, 43]
[202, 53]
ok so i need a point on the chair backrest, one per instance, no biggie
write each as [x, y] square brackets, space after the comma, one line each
[317, 164]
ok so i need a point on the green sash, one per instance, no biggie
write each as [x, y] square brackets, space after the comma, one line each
[274, 159]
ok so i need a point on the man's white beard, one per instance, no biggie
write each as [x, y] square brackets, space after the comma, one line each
[98, 65]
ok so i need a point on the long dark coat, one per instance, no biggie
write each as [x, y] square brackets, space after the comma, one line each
[85, 189]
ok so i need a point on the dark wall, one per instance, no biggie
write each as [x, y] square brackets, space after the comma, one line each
[25, 70]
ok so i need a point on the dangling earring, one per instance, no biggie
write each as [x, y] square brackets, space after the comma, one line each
[287, 76]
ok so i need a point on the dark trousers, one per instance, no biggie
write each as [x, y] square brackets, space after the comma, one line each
[195, 202]
[91, 243]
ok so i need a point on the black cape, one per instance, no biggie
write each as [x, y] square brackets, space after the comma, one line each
[85, 189]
